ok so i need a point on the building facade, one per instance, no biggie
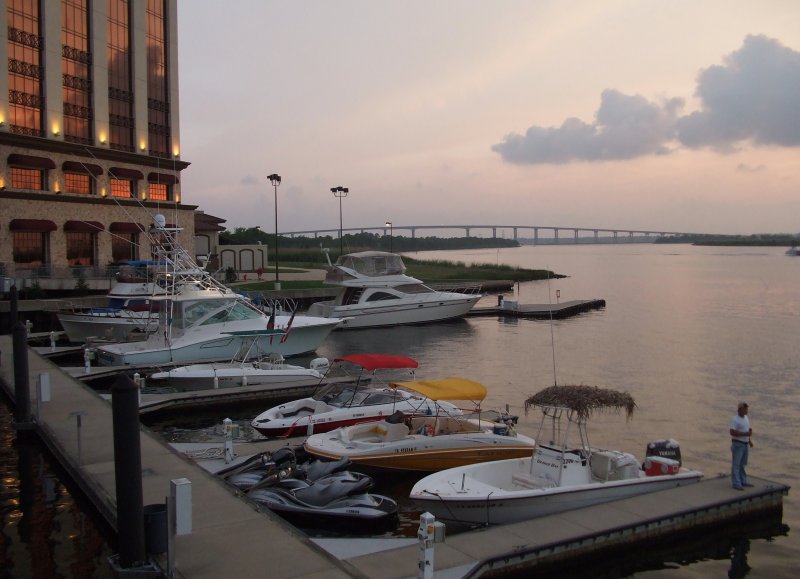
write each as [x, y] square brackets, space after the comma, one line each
[89, 134]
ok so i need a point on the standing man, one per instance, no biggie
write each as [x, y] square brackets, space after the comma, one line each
[740, 446]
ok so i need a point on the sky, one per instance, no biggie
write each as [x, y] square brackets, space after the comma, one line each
[657, 115]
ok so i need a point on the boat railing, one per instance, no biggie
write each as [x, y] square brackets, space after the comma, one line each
[457, 286]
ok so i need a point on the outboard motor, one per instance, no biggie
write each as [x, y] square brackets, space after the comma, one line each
[665, 448]
[321, 365]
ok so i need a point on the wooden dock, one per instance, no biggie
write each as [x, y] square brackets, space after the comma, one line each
[229, 534]
[557, 311]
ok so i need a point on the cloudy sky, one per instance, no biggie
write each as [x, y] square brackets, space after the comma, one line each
[664, 115]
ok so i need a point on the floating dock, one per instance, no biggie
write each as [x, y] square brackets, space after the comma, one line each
[229, 534]
[557, 311]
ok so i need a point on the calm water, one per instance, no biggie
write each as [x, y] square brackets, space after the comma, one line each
[688, 331]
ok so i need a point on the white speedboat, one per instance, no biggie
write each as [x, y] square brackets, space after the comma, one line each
[255, 372]
[558, 476]
[377, 292]
[343, 403]
[425, 443]
[129, 311]
[202, 320]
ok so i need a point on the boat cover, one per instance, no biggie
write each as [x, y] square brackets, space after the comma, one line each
[446, 388]
[379, 361]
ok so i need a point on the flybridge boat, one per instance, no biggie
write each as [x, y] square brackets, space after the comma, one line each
[129, 309]
[202, 320]
[377, 292]
[425, 443]
[558, 476]
[344, 403]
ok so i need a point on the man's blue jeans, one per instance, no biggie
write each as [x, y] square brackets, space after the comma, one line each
[739, 451]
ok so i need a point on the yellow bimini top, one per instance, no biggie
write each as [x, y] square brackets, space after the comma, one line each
[446, 389]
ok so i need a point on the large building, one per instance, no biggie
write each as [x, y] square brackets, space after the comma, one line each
[89, 134]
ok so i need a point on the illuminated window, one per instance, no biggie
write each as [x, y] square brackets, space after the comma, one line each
[121, 188]
[120, 91]
[159, 191]
[80, 247]
[76, 75]
[158, 106]
[30, 248]
[78, 183]
[25, 70]
[27, 178]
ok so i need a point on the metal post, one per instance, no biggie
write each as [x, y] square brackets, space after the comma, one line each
[275, 179]
[425, 536]
[228, 427]
[22, 394]
[128, 472]
[13, 317]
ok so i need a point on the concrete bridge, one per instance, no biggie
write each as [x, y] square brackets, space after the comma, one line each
[574, 234]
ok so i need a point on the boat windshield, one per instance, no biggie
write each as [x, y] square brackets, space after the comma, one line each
[206, 312]
[373, 265]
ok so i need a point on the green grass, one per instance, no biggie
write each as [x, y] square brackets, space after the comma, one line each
[428, 271]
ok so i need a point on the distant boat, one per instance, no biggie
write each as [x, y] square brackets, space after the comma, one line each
[377, 292]
[793, 250]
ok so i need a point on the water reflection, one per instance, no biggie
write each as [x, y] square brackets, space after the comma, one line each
[46, 532]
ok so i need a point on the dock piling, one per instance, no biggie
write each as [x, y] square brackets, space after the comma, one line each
[22, 394]
[128, 472]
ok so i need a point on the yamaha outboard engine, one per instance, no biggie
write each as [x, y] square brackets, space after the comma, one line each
[666, 448]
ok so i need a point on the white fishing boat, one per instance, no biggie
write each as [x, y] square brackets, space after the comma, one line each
[558, 475]
[343, 403]
[202, 320]
[128, 313]
[425, 443]
[377, 292]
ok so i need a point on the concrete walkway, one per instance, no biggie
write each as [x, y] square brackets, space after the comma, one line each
[229, 538]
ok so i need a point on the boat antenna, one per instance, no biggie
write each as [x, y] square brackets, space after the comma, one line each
[552, 338]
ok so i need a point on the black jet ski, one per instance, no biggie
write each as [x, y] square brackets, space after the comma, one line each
[340, 496]
[269, 467]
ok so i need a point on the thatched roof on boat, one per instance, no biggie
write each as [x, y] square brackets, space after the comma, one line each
[583, 400]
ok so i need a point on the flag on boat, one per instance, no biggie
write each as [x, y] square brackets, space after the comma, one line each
[288, 326]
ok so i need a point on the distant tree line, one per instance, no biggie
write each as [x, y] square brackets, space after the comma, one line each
[759, 239]
[361, 241]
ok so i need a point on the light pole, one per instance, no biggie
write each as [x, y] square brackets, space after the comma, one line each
[275, 179]
[389, 225]
[340, 192]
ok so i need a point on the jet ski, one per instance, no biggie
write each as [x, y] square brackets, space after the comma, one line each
[267, 468]
[336, 497]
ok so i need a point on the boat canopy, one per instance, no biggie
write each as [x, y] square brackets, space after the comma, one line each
[446, 388]
[379, 361]
[372, 263]
[583, 400]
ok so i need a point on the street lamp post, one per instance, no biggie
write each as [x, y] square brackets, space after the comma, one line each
[389, 225]
[275, 179]
[340, 192]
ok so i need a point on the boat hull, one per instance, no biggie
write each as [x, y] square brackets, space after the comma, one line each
[417, 452]
[432, 459]
[301, 340]
[236, 375]
[79, 327]
[375, 314]
[460, 498]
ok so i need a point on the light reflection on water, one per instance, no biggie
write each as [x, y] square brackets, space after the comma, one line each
[45, 532]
